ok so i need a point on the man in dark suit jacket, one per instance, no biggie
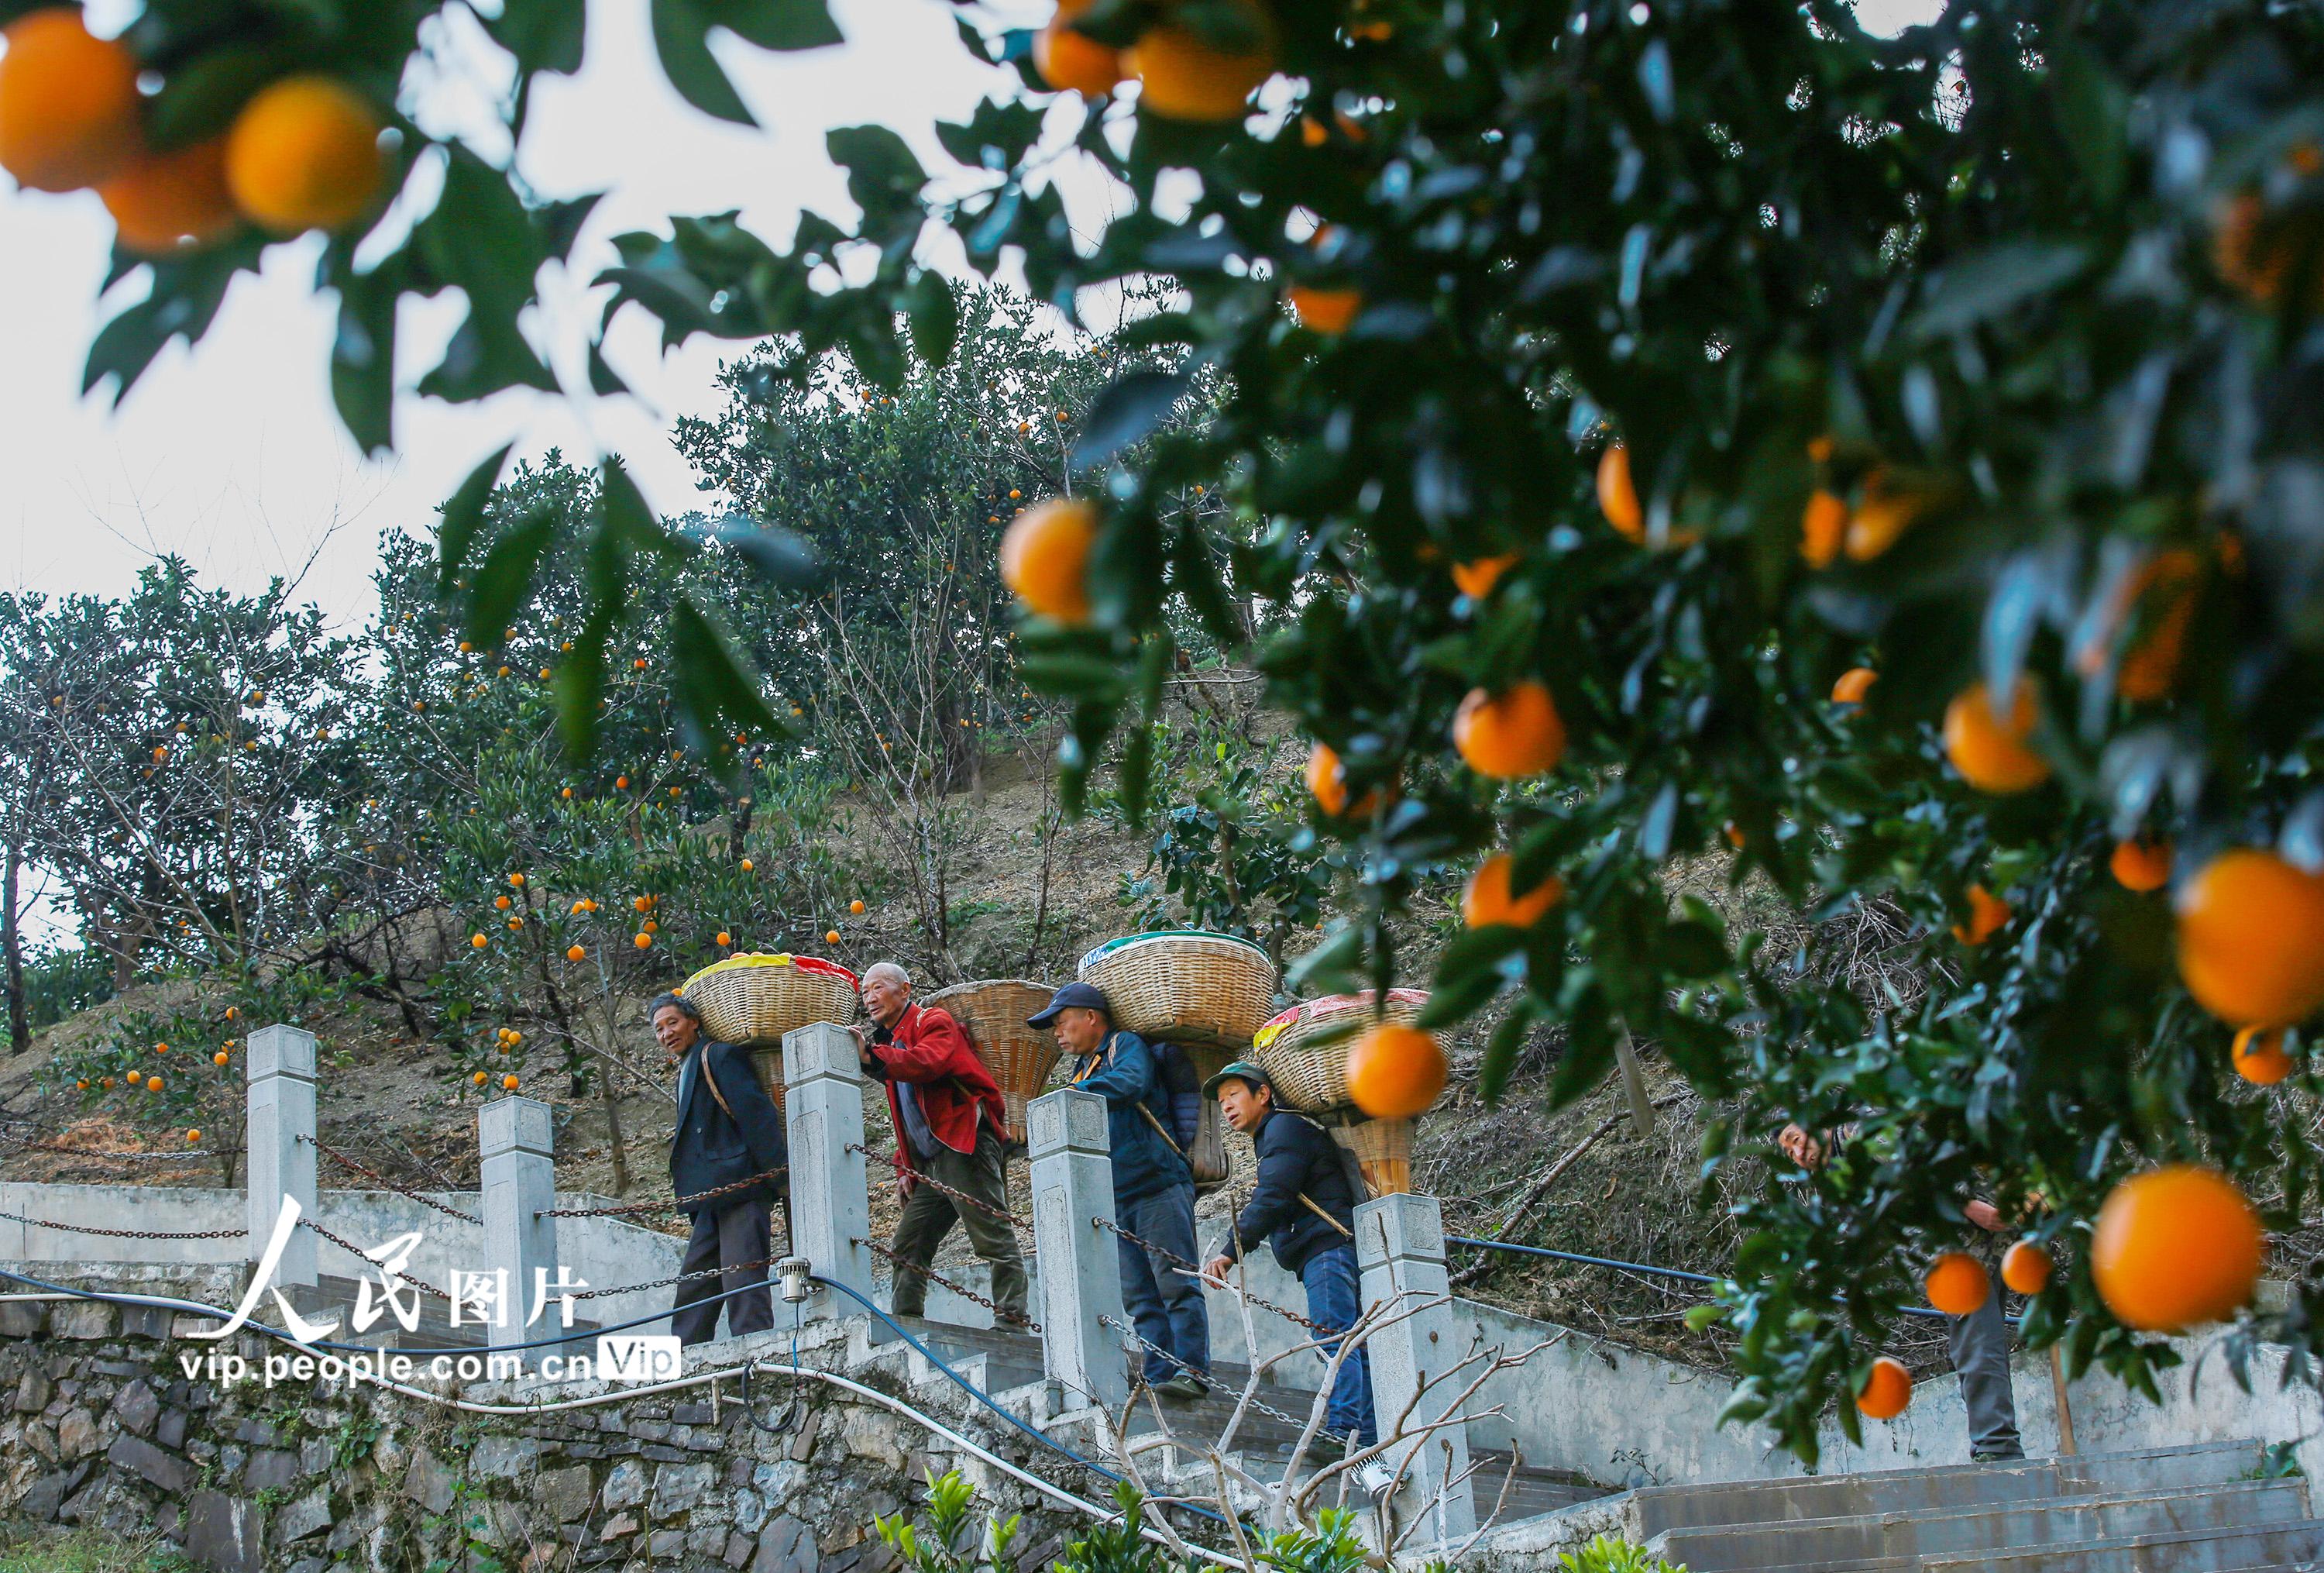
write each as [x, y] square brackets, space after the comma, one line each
[728, 1130]
[1304, 1209]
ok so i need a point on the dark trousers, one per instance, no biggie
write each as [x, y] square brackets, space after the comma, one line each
[1333, 1302]
[1164, 1304]
[1980, 1344]
[743, 1233]
[929, 1215]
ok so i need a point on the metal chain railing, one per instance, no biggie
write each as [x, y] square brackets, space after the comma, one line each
[677, 1205]
[922, 1177]
[234, 1233]
[343, 1162]
[962, 1289]
[716, 1272]
[352, 1249]
[1143, 1244]
[1252, 1402]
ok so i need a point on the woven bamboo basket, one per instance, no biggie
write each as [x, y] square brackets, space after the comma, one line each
[1197, 990]
[1383, 1150]
[752, 1001]
[1304, 1050]
[1021, 1058]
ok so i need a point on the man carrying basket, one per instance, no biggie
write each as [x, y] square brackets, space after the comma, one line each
[1153, 1189]
[948, 1115]
[1304, 1209]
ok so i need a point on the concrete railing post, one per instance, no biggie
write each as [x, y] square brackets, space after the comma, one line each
[1081, 1273]
[517, 1140]
[1401, 1249]
[279, 1136]
[823, 1114]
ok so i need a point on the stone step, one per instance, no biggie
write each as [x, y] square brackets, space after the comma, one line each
[2247, 1549]
[1661, 1508]
[1912, 1539]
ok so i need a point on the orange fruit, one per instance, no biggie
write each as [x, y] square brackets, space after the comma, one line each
[69, 103]
[2257, 254]
[1734, 834]
[855, 907]
[1823, 525]
[517, 880]
[1044, 557]
[82, 1084]
[479, 1078]
[1485, 899]
[501, 902]
[478, 940]
[304, 154]
[1617, 498]
[620, 783]
[193, 1135]
[1886, 1391]
[831, 937]
[171, 201]
[651, 927]
[153, 1084]
[1325, 312]
[1957, 1284]
[1073, 61]
[1328, 781]
[643, 941]
[1476, 579]
[2251, 938]
[1511, 734]
[575, 953]
[1880, 520]
[747, 866]
[1987, 914]
[1851, 687]
[2141, 865]
[1396, 1071]
[1182, 78]
[2026, 1267]
[641, 902]
[2258, 1056]
[220, 1058]
[725, 938]
[2174, 1248]
[1991, 754]
[2161, 596]
[509, 1081]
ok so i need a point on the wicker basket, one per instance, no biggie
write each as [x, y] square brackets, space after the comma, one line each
[752, 1001]
[1021, 1058]
[1205, 991]
[1304, 1050]
[1383, 1150]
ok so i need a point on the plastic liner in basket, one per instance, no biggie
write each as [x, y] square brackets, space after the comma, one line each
[752, 1001]
[1197, 990]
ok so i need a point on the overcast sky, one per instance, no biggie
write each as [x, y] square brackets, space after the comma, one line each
[231, 454]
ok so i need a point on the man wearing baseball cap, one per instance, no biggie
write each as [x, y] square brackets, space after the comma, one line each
[1153, 1189]
[1304, 1209]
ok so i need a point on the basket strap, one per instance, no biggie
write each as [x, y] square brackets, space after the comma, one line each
[1319, 1212]
[711, 1076]
[1162, 1131]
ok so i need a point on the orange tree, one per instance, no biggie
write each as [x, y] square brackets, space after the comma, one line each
[1597, 383]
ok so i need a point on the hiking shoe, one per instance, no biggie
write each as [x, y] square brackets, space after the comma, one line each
[1185, 1385]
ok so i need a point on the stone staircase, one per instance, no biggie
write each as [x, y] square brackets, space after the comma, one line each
[1012, 1360]
[2200, 1508]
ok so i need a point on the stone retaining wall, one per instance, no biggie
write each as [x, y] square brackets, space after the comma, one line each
[100, 1427]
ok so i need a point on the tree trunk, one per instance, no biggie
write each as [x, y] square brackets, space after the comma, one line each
[11, 944]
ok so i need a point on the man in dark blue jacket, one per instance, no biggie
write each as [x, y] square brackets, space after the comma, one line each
[1153, 1189]
[1304, 1208]
[728, 1130]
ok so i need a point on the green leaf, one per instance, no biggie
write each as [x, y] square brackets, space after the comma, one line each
[363, 356]
[1129, 408]
[680, 29]
[715, 685]
[456, 535]
[1988, 283]
[883, 175]
[934, 311]
[1501, 1051]
[778, 24]
[775, 553]
[200, 98]
[545, 35]
[506, 578]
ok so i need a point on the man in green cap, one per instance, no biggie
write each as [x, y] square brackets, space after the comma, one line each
[1304, 1208]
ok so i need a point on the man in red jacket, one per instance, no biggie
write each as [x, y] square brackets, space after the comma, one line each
[948, 1116]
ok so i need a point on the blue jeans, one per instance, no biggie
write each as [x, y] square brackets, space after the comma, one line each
[1333, 1303]
[1164, 1304]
